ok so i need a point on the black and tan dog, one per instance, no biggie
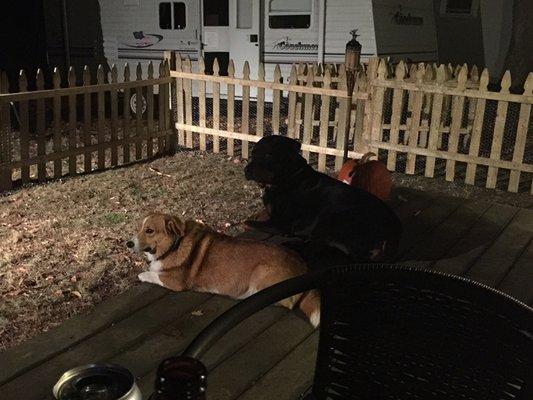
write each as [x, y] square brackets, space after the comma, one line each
[188, 255]
[307, 204]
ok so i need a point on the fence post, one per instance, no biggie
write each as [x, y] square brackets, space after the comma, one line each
[6, 182]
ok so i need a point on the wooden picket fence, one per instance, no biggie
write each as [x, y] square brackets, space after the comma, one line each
[420, 119]
[69, 130]
[454, 119]
[435, 121]
[230, 118]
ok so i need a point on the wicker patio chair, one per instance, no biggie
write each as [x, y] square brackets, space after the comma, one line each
[390, 332]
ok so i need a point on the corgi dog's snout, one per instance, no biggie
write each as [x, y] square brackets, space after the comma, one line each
[133, 244]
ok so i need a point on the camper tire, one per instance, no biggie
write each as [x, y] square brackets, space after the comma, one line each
[133, 104]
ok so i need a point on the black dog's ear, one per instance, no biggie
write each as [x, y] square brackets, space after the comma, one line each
[296, 145]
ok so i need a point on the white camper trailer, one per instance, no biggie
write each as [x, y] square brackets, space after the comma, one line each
[270, 31]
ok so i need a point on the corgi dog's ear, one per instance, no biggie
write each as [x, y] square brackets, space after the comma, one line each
[174, 226]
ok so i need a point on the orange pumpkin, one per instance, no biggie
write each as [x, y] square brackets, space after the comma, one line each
[370, 175]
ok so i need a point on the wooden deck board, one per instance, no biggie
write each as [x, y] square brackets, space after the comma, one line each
[42, 347]
[258, 357]
[37, 383]
[434, 246]
[290, 378]
[460, 256]
[271, 355]
[519, 281]
[498, 259]
[228, 345]
[421, 224]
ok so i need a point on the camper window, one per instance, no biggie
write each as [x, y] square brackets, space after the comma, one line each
[289, 14]
[172, 14]
[216, 13]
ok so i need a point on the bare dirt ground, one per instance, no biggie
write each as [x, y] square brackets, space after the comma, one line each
[62, 244]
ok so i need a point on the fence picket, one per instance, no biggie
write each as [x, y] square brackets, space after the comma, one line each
[458, 103]
[521, 135]
[72, 139]
[344, 108]
[24, 129]
[477, 127]
[308, 113]
[324, 121]
[216, 107]
[101, 117]
[201, 103]
[360, 141]
[499, 126]
[166, 141]
[41, 128]
[6, 174]
[397, 103]
[58, 167]
[170, 137]
[436, 115]
[138, 114]
[114, 117]
[367, 118]
[276, 102]
[150, 113]
[429, 76]
[291, 122]
[260, 102]
[245, 110]
[414, 122]
[231, 109]
[126, 118]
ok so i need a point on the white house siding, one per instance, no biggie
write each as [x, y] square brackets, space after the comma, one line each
[415, 42]
[341, 17]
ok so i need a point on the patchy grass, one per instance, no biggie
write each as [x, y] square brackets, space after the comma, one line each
[63, 243]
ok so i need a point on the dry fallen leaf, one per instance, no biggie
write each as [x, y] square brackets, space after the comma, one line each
[197, 313]
[16, 236]
[76, 293]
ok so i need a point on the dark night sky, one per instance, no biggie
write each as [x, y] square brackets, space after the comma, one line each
[22, 38]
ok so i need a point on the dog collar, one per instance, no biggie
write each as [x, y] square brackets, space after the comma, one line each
[174, 246]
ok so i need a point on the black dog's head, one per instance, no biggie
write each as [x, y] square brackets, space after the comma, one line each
[274, 158]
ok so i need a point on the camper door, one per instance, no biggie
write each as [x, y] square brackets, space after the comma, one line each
[245, 35]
